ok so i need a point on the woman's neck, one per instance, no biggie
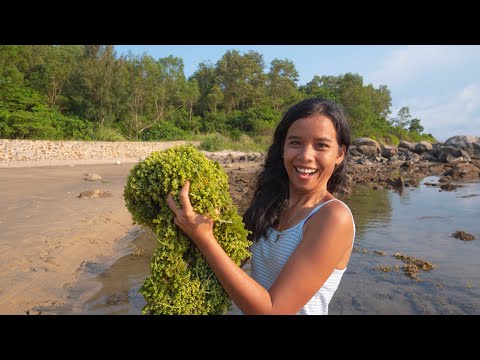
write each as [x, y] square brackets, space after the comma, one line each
[307, 200]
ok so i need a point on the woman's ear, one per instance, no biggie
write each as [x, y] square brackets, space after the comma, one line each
[341, 154]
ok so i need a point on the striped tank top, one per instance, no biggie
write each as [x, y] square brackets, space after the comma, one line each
[269, 257]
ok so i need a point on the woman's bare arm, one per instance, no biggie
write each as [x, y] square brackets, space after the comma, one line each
[325, 241]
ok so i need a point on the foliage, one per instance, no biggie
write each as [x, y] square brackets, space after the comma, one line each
[214, 142]
[181, 281]
[103, 133]
[163, 130]
[214, 121]
[62, 85]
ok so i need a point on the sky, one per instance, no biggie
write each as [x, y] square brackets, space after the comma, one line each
[439, 83]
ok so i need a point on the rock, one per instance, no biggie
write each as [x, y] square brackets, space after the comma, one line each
[117, 299]
[407, 145]
[445, 179]
[353, 151]
[95, 193]
[464, 172]
[92, 177]
[448, 187]
[469, 143]
[462, 235]
[366, 141]
[364, 161]
[389, 151]
[398, 182]
[118, 162]
[368, 150]
[422, 147]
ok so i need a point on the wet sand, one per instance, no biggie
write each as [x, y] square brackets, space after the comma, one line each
[49, 237]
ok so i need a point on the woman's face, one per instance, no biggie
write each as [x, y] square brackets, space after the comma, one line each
[310, 153]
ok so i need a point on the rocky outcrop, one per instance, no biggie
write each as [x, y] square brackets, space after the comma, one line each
[469, 143]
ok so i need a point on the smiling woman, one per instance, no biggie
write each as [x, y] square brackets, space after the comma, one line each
[295, 270]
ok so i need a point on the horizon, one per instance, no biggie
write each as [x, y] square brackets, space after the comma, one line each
[439, 83]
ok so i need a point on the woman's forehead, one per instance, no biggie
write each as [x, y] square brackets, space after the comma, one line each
[314, 125]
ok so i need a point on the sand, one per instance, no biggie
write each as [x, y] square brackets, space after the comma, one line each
[48, 234]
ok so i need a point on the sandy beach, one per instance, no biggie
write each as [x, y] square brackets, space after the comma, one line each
[53, 243]
[48, 234]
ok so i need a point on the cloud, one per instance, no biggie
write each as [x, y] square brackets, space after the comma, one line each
[416, 62]
[448, 116]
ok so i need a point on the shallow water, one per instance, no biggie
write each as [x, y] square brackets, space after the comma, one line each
[417, 222]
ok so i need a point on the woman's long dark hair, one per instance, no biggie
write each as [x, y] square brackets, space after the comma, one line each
[271, 194]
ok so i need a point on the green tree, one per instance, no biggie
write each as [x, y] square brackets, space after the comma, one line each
[214, 98]
[168, 81]
[403, 118]
[10, 60]
[52, 73]
[281, 82]
[415, 126]
[136, 121]
[99, 91]
[191, 94]
[211, 95]
[242, 79]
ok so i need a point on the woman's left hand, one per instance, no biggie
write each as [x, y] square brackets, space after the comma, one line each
[197, 227]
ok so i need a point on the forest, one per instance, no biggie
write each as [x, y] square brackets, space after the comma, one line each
[89, 93]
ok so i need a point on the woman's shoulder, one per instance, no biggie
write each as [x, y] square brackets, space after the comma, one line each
[332, 210]
[332, 222]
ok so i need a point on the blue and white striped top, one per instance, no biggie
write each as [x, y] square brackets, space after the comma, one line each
[269, 257]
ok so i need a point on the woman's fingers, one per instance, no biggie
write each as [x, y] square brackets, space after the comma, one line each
[184, 199]
[171, 204]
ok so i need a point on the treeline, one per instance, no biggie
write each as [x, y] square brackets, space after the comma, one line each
[87, 92]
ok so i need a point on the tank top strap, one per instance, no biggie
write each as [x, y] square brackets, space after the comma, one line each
[320, 206]
[314, 210]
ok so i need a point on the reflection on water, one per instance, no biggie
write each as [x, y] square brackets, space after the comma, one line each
[420, 223]
[417, 222]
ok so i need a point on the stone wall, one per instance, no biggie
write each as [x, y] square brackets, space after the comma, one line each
[45, 150]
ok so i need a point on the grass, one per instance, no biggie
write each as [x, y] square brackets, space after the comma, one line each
[217, 142]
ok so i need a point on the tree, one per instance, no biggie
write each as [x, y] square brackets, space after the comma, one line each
[403, 118]
[241, 78]
[169, 79]
[99, 86]
[191, 94]
[211, 94]
[214, 98]
[281, 82]
[52, 72]
[326, 87]
[415, 126]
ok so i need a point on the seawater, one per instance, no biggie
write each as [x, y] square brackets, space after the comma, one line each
[416, 222]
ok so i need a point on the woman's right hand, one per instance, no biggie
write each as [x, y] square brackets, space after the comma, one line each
[197, 227]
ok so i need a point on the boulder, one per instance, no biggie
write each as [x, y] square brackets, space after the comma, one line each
[368, 150]
[389, 151]
[407, 145]
[469, 143]
[422, 147]
[367, 142]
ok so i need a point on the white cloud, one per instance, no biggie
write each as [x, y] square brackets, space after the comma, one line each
[411, 64]
[449, 115]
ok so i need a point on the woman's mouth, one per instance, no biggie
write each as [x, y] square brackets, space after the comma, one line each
[305, 173]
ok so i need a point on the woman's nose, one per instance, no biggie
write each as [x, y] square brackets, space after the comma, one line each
[307, 152]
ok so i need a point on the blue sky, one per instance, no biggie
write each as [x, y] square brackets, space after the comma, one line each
[439, 83]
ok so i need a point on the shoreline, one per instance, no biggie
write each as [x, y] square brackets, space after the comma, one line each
[53, 243]
[49, 234]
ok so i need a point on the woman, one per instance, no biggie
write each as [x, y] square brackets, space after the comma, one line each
[303, 235]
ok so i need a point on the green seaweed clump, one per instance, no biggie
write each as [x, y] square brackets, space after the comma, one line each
[181, 281]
